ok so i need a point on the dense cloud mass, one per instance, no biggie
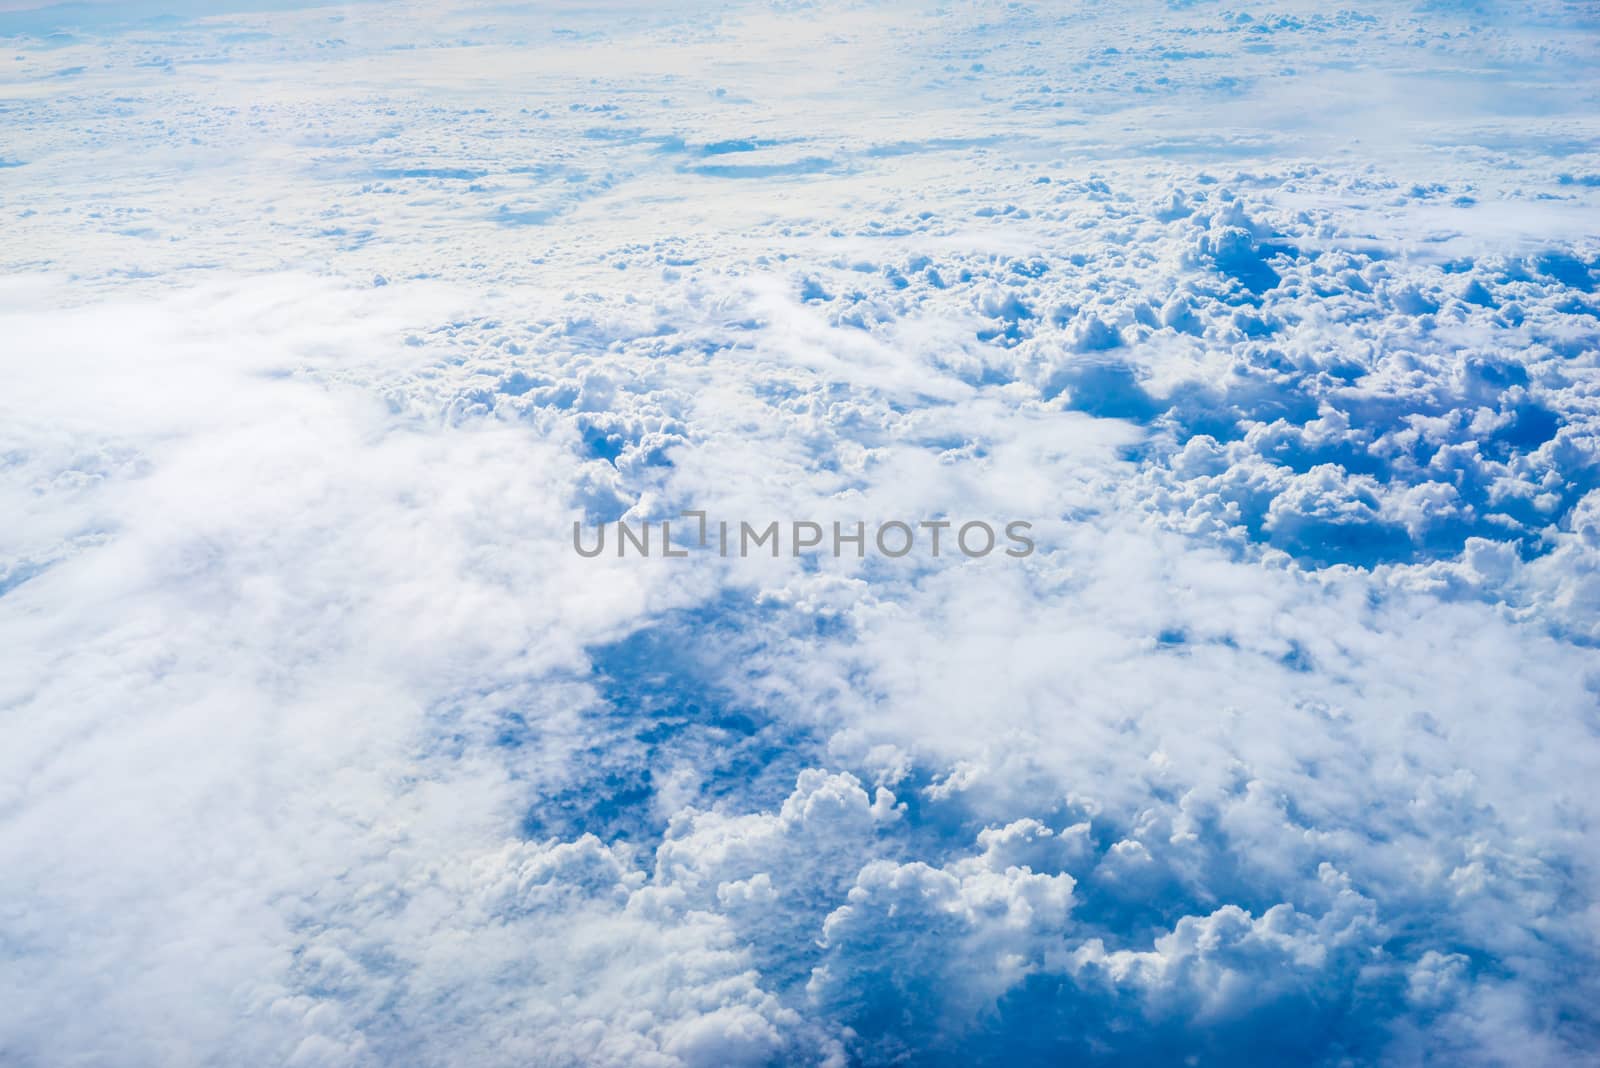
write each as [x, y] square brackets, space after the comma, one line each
[322, 326]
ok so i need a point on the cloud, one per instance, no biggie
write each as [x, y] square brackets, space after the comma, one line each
[323, 748]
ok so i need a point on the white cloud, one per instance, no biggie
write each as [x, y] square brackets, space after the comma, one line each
[323, 748]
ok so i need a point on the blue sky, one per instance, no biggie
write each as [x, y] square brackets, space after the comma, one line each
[325, 323]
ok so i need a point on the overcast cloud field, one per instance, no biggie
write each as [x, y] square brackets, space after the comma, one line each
[321, 326]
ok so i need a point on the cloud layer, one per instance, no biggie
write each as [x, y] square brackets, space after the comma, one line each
[322, 747]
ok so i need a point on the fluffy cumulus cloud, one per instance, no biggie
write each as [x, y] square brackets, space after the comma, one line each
[322, 326]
